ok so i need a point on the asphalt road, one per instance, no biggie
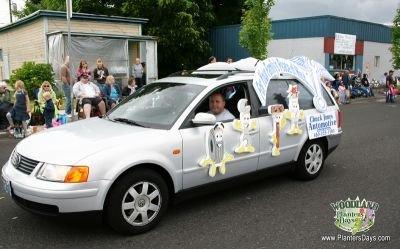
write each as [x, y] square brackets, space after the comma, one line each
[273, 212]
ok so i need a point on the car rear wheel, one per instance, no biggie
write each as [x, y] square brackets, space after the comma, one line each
[310, 161]
[137, 202]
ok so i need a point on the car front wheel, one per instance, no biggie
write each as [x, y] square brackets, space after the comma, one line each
[137, 202]
[310, 161]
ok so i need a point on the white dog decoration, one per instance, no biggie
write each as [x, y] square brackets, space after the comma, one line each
[294, 114]
[277, 112]
[244, 125]
[216, 157]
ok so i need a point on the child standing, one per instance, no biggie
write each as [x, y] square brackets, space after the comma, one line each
[48, 111]
[20, 110]
[390, 94]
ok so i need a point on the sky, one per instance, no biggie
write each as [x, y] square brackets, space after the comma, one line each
[379, 11]
[4, 13]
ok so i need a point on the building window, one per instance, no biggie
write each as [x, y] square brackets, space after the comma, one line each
[376, 61]
[341, 62]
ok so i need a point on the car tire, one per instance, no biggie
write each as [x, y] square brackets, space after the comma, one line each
[137, 202]
[310, 161]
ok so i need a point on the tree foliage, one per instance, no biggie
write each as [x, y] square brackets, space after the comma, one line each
[228, 12]
[104, 7]
[33, 74]
[396, 40]
[182, 27]
[256, 27]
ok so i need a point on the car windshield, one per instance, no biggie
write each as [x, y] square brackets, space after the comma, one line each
[157, 105]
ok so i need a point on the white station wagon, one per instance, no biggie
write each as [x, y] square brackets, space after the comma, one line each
[163, 139]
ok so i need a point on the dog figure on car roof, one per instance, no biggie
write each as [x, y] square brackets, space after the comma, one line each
[216, 157]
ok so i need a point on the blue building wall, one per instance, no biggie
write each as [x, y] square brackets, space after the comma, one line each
[225, 39]
[225, 43]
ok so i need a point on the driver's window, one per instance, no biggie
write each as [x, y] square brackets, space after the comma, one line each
[222, 102]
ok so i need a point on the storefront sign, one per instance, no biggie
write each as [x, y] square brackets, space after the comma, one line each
[345, 44]
[322, 124]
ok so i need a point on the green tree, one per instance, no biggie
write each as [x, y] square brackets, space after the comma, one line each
[182, 28]
[256, 27]
[101, 7]
[228, 12]
[33, 74]
[396, 40]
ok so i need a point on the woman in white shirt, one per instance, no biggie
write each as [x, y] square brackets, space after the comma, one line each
[90, 95]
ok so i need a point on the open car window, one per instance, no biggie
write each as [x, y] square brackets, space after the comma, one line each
[232, 94]
[277, 94]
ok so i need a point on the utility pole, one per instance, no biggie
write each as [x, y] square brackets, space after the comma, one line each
[71, 65]
[9, 7]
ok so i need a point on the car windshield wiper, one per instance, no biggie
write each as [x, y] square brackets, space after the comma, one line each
[128, 121]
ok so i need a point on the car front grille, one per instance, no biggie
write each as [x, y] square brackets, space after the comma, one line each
[22, 163]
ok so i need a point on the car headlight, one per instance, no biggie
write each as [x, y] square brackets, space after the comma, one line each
[61, 173]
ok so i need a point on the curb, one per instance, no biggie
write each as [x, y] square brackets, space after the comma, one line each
[5, 134]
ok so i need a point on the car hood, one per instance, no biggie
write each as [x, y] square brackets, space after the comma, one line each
[67, 144]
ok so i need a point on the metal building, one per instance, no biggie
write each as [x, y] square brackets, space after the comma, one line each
[315, 37]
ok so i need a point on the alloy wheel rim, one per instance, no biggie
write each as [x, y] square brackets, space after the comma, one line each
[141, 203]
[314, 158]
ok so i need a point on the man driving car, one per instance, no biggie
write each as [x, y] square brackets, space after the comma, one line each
[217, 107]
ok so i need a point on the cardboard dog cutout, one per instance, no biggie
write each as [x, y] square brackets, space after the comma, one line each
[216, 157]
[279, 122]
[245, 125]
[294, 114]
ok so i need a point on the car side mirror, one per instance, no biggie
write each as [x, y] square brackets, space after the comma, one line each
[203, 118]
[263, 110]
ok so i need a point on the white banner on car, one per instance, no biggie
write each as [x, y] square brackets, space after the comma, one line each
[322, 124]
[307, 71]
[345, 44]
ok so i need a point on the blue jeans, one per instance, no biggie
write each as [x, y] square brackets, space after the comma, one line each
[102, 88]
[67, 93]
[389, 98]
[371, 92]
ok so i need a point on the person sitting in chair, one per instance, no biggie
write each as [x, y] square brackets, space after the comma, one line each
[46, 87]
[5, 105]
[217, 107]
[89, 94]
[112, 92]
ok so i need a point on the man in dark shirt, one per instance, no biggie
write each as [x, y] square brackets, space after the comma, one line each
[346, 79]
[100, 74]
[389, 79]
[5, 105]
[365, 83]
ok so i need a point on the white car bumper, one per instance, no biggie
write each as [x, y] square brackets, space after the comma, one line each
[53, 197]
